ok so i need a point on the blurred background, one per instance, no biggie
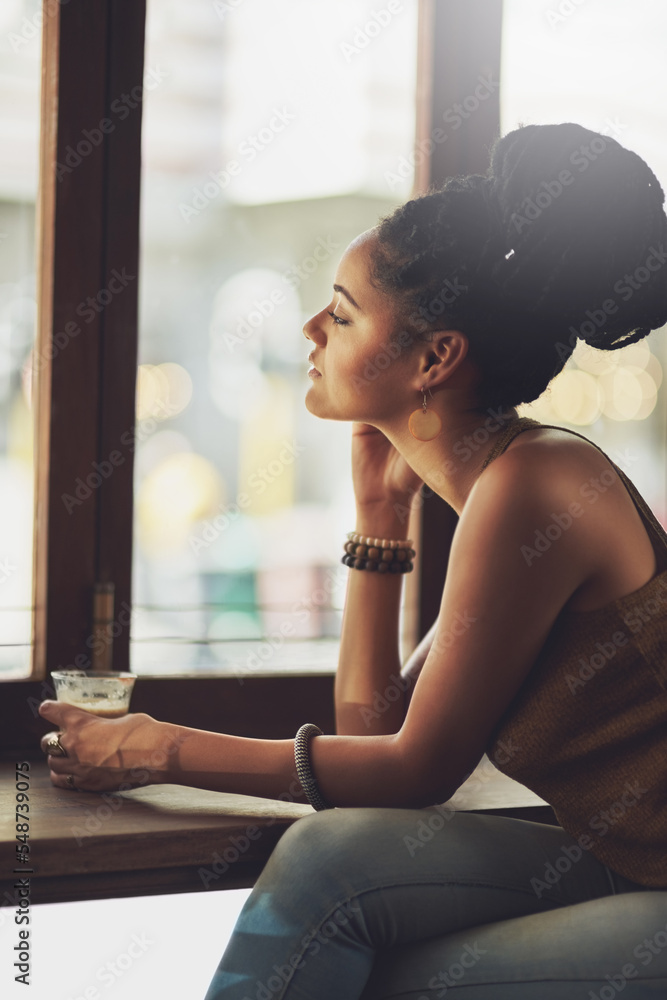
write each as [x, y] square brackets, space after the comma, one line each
[273, 134]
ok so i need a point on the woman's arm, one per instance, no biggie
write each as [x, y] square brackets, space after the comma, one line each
[496, 614]
[137, 750]
[369, 660]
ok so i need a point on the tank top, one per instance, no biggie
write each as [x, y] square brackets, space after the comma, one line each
[587, 731]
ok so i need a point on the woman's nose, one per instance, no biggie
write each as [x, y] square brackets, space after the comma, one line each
[312, 329]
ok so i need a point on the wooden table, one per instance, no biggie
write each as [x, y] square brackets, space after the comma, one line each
[170, 838]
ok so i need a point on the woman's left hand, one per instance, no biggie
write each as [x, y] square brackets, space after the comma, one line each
[103, 754]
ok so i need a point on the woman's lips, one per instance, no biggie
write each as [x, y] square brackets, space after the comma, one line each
[313, 373]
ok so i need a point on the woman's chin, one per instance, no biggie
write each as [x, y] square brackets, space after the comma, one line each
[313, 405]
[319, 409]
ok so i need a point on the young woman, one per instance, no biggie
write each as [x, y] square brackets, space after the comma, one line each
[550, 648]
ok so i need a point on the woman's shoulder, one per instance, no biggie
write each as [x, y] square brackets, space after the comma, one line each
[554, 460]
[576, 490]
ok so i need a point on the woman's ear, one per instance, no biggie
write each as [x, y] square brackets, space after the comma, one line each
[442, 355]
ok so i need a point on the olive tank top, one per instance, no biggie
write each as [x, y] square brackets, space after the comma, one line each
[587, 731]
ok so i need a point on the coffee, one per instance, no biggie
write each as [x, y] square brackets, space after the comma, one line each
[101, 709]
[106, 695]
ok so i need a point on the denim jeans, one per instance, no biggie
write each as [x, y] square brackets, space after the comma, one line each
[420, 904]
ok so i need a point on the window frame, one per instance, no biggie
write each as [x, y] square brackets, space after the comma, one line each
[84, 396]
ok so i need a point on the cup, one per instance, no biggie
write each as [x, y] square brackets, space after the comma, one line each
[106, 694]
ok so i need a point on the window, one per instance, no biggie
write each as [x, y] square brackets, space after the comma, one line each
[20, 49]
[264, 155]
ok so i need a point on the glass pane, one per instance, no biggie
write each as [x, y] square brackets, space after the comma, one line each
[265, 152]
[597, 64]
[20, 62]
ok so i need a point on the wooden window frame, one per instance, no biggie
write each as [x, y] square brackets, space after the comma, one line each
[84, 391]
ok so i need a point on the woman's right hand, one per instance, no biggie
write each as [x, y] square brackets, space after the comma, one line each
[380, 474]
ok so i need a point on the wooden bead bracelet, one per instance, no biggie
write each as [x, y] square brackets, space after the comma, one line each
[380, 555]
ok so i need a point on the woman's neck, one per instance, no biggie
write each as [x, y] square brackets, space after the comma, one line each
[451, 463]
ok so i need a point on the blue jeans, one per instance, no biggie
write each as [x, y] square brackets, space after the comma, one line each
[424, 903]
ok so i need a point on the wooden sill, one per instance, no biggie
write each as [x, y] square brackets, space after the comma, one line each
[171, 838]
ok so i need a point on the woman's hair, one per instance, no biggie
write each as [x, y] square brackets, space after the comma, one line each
[564, 238]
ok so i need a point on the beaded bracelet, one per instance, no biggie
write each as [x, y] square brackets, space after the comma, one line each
[303, 766]
[380, 555]
[380, 543]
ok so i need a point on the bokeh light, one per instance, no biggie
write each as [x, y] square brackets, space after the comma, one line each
[179, 491]
[162, 390]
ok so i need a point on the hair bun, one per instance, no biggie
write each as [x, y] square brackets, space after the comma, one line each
[584, 217]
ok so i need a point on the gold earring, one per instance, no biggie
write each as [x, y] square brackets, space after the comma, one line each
[423, 425]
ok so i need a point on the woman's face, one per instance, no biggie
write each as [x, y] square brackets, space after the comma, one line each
[360, 374]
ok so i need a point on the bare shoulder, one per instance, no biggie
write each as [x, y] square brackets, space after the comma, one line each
[552, 464]
[536, 489]
[550, 447]
[571, 494]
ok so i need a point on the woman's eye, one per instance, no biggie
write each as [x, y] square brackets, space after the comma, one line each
[338, 320]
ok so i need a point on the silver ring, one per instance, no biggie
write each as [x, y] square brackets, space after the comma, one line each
[69, 781]
[54, 747]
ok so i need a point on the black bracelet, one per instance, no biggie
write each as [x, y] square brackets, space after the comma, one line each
[303, 766]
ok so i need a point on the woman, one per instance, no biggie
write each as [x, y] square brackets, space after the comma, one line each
[549, 651]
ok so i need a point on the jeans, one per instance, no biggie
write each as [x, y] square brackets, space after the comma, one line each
[420, 904]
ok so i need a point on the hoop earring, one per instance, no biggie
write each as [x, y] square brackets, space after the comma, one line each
[424, 425]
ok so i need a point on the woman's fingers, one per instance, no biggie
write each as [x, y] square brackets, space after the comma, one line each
[61, 780]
